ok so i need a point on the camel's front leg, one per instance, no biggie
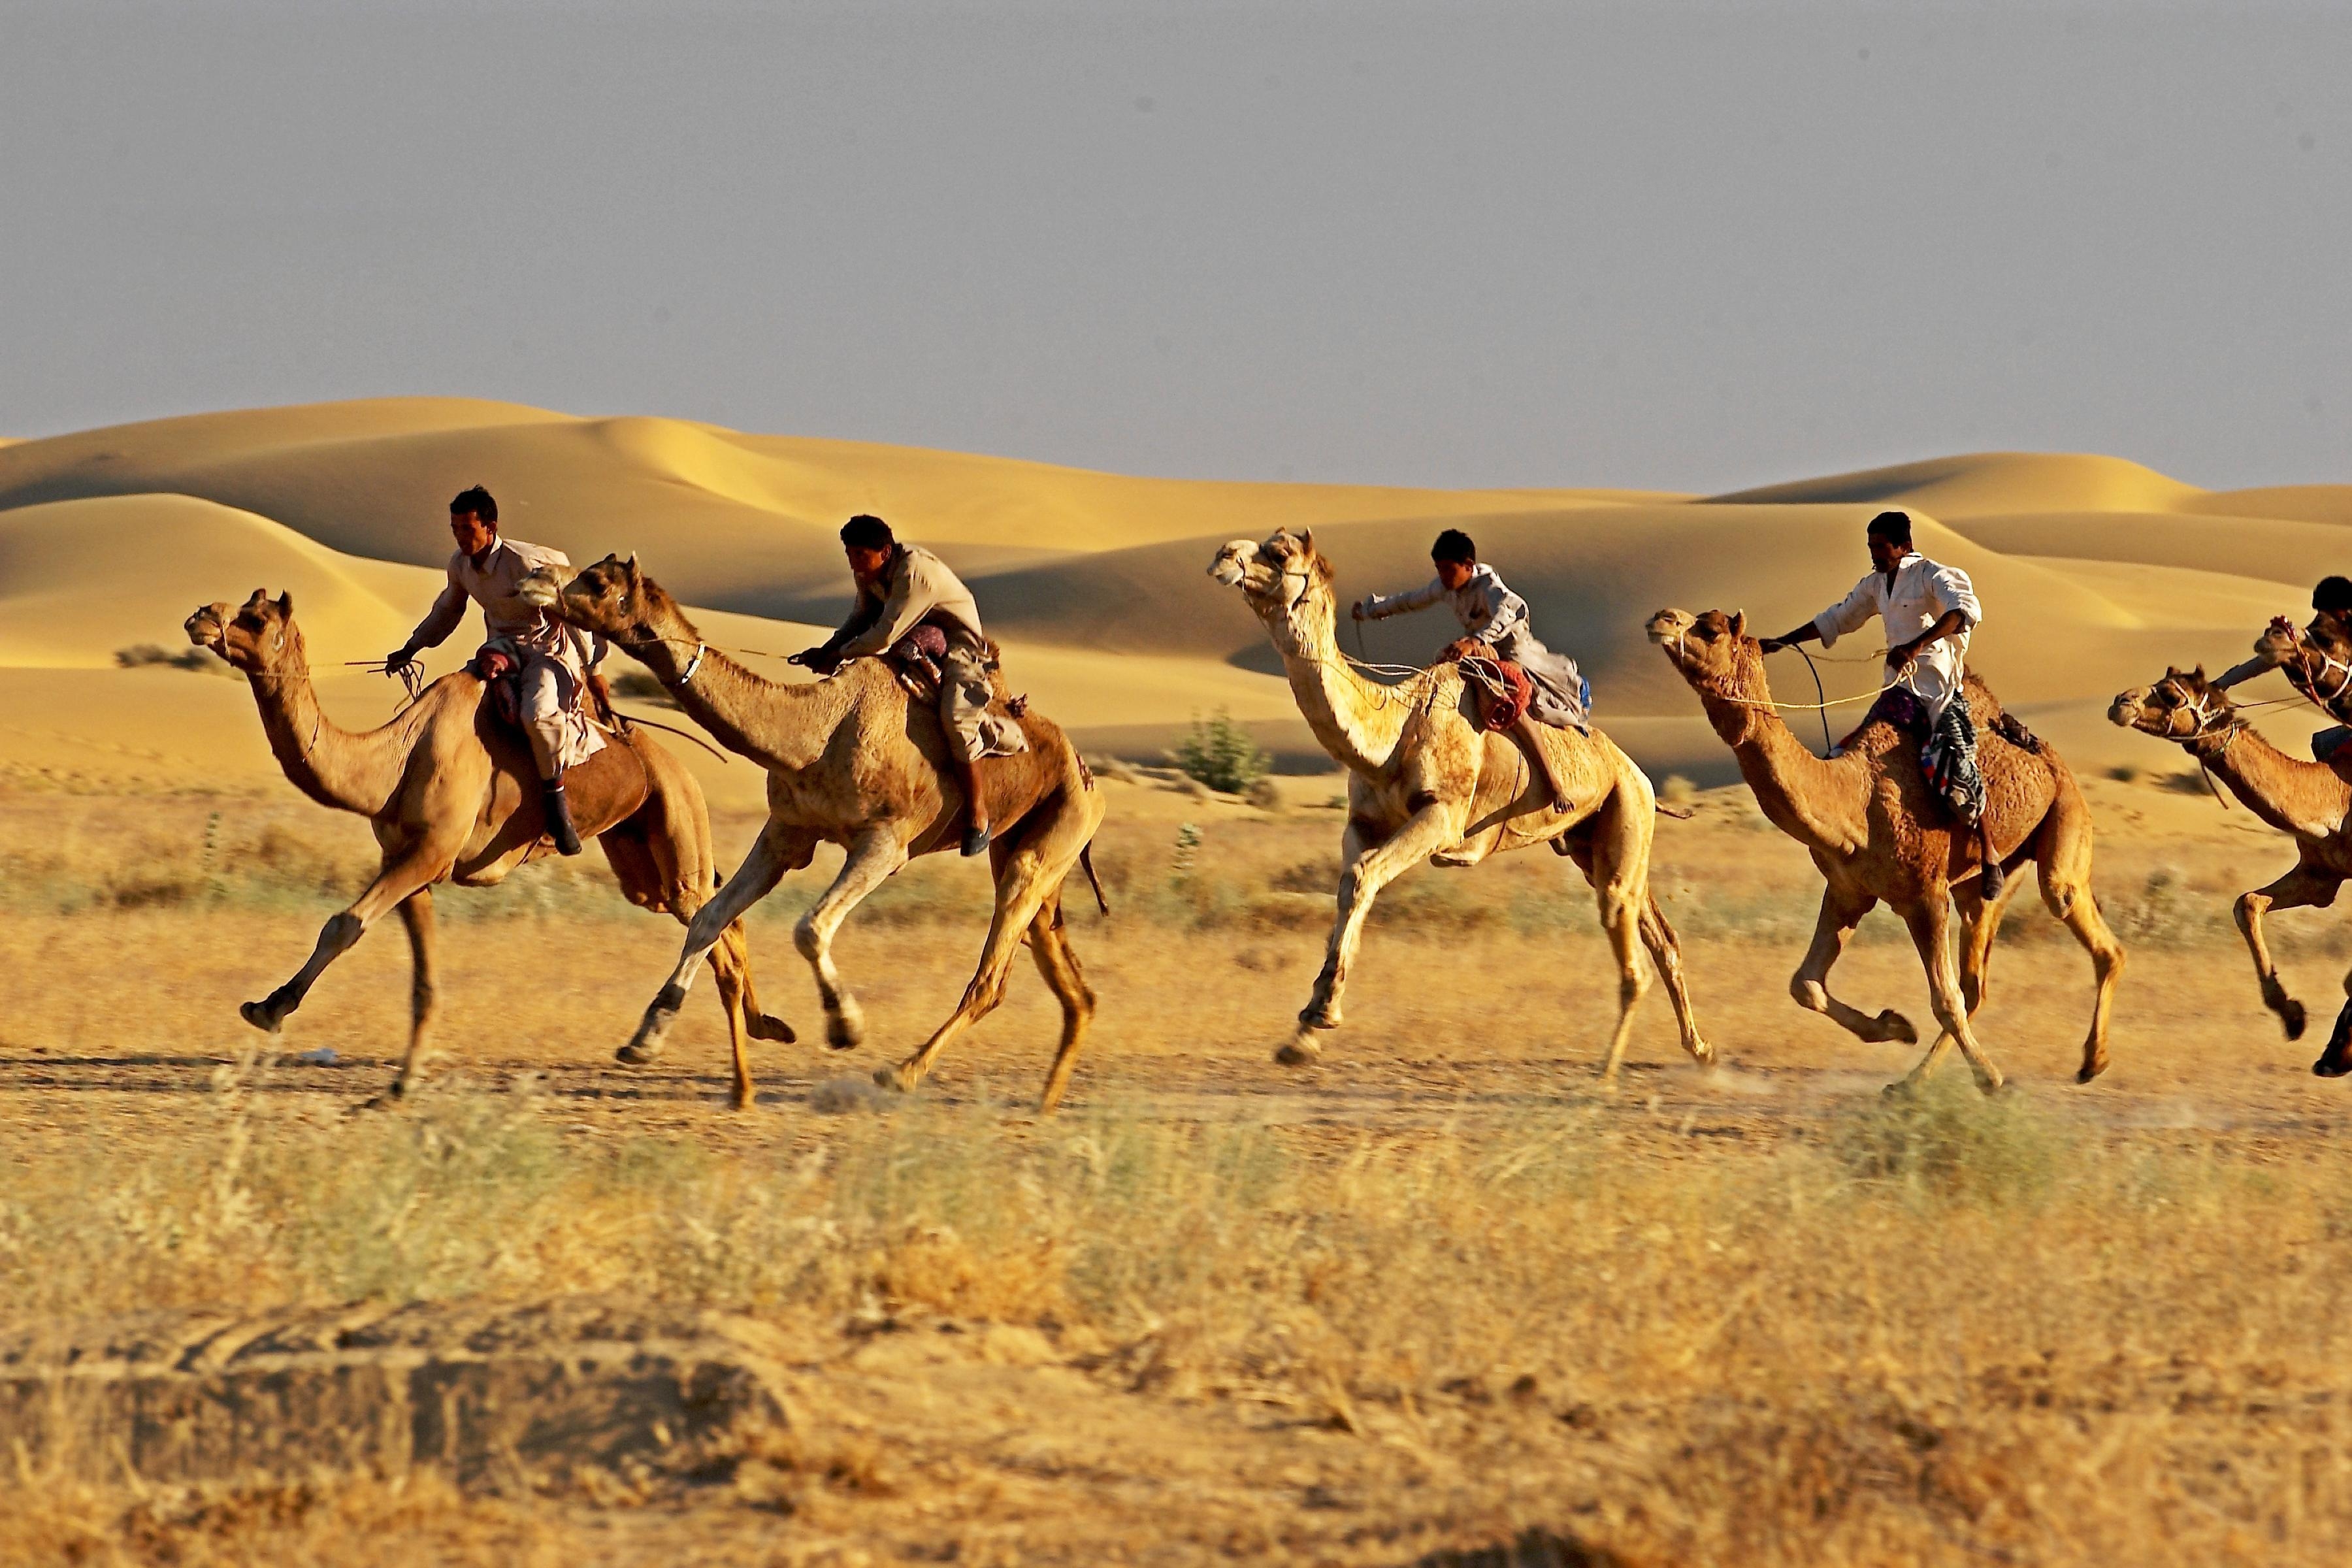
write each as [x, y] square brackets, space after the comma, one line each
[1667, 953]
[776, 850]
[416, 914]
[873, 856]
[2302, 888]
[1368, 870]
[1930, 921]
[403, 875]
[1841, 912]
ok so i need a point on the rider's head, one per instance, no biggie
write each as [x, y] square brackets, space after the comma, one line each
[1455, 555]
[867, 541]
[473, 520]
[2333, 596]
[1890, 539]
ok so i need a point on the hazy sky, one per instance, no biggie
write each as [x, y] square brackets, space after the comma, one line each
[1658, 244]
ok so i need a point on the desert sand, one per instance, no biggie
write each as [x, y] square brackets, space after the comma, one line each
[2096, 572]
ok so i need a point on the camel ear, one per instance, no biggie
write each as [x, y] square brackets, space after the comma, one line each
[286, 602]
[258, 596]
[2201, 672]
[1306, 544]
[632, 564]
[1739, 622]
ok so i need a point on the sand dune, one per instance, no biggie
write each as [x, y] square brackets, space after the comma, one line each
[2096, 572]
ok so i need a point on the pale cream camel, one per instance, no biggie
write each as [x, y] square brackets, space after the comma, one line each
[1875, 834]
[1427, 782]
[2310, 803]
[453, 795]
[851, 762]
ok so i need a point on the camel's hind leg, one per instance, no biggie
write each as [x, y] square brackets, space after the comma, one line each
[1841, 912]
[1979, 927]
[1050, 945]
[1929, 921]
[1621, 885]
[1367, 869]
[416, 914]
[2063, 849]
[778, 849]
[2305, 887]
[1665, 949]
[1030, 865]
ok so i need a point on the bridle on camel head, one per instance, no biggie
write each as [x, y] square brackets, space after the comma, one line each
[2230, 727]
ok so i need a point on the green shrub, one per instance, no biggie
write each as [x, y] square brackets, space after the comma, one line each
[1220, 754]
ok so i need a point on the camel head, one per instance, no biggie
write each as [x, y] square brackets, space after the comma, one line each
[1283, 580]
[259, 637]
[2182, 707]
[613, 596]
[1711, 649]
[540, 588]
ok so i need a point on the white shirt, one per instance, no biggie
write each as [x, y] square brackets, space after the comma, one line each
[496, 585]
[1487, 610]
[1922, 594]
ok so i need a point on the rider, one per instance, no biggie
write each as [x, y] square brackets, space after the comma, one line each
[1496, 620]
[554, 659]
[1929, 610]
[2331, 600]
[903, 587]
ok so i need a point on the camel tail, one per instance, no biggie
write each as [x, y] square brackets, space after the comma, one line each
[1087, 859]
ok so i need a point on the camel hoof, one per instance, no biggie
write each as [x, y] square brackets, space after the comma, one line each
[2291, 1013]
[902, 1077]
[843, 1032]
[768, 1027]
[1989, 1087]
[1706, 1056]
[1314, 1018]
[1299, 1053]
[2090, 1070]
[258, 1015]
[1897, 1028]
[1900, 1089]
[2324, 1068]
[742, 1099]
[638, 1053]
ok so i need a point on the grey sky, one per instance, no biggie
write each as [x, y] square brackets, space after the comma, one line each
[1647, 245]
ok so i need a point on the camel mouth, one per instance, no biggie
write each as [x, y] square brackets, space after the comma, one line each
[2124, 711]
[1667, 627]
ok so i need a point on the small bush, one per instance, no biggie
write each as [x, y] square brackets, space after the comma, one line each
[148, 655]
[1220, 754]
[637, 686]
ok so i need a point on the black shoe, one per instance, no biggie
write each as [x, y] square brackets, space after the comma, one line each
[559, 822]
[975, 840]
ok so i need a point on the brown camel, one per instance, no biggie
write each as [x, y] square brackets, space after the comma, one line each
[2309, 802]
[852, 762]
[1877, 835]
[453, 795]
[1427, 781]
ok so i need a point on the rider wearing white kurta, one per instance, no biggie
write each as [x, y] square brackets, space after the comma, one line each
[1929, 610]
[1494, 624]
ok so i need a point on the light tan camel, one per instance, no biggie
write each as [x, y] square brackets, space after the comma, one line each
[851, 762]
[2309, 802]
[453, 795]
[1427, 782]
[1875, 834]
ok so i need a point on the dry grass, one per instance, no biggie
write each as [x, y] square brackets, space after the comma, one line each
[1441, 1297]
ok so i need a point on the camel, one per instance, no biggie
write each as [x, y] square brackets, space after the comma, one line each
[850, 760]
[2309, 802]
[453, 795]
[1427, 781]
[1877, 835]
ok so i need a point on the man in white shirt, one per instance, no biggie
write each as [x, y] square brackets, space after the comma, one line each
[1929, 610]
[488, 571]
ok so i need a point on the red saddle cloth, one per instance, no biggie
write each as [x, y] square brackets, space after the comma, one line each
[1504, 690]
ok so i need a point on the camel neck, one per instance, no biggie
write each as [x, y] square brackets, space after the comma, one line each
[1357, 720]
[2309, 799]
[777, 725]
[1815, 801]
[350, 770]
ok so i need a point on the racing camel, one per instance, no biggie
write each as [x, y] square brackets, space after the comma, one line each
[453, 795]
[1877, 836]
[850, 762]
[1426, 780]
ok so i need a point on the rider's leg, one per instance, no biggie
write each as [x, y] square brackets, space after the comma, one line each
[542, 723]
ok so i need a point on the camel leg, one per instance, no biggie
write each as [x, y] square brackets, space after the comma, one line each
[874, 858]
[2336, 1059]
[1930, 921]
[1030, 870]
[2302, 888]
[1621, 885]
[402, 875]
[416, 914]
[1368, 870]
[2064, 857]
[1979, 927]
[1665, 950]
[1811, 984]
[772, 854]
[1050, 944]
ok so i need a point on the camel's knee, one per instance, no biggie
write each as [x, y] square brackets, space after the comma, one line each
[340, 933]
[806, 940]
[1810, 994]
[2248, 910]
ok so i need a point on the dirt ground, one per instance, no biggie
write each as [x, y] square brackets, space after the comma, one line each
[132, 925]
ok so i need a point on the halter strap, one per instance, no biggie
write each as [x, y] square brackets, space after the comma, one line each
[692, 665]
